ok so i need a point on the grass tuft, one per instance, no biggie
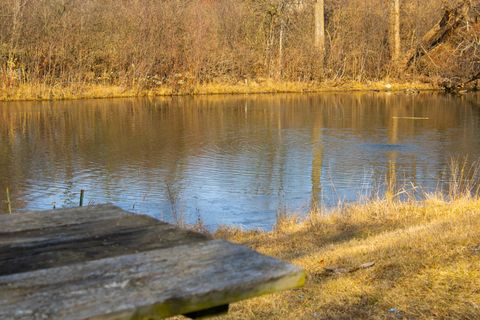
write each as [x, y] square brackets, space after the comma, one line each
[426, 255]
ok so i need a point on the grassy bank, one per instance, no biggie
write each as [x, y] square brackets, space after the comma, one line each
[426, 258]
[95, 91]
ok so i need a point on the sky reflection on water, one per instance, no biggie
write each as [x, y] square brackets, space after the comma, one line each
[230, 159]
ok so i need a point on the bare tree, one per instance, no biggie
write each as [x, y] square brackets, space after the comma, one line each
[395, 44]
[280, 48]
[320, 30]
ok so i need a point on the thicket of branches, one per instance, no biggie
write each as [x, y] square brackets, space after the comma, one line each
[153, 42]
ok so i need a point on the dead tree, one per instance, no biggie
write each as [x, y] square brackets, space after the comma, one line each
[451, 20]
[395, 46]
[320, 30]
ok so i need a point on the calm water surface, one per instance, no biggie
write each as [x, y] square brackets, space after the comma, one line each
[230, 159]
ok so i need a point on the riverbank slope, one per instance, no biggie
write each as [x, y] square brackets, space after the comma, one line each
[380, 260]
[97, 91]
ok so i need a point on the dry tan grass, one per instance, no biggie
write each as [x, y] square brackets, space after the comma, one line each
[95, 91]
[426, 254]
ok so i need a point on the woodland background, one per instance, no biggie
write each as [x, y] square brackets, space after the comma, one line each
[149, 43]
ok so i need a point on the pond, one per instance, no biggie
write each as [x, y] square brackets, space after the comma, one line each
[231, 160]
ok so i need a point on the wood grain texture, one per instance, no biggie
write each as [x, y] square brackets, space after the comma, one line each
[154, 284]
[31, 220]
[51, 239]
[101, 262]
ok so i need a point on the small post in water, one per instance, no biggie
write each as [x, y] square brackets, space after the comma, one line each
[9, 203]
[82, 194]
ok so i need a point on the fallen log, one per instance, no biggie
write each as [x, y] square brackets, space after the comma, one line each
[451, 20]
[460, 86]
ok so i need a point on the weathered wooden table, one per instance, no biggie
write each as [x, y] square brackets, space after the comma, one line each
[104, 263]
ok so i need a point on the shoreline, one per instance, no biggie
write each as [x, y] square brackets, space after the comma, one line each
[32, 92]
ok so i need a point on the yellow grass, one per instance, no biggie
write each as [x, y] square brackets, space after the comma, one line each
[426, 255]
[85, 91]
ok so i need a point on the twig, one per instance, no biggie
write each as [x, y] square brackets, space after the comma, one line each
[9, 204]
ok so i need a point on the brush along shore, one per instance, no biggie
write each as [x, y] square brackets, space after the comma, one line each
[96, 91]
[379, 260]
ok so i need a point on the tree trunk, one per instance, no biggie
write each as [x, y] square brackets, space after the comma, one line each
[280, 50]
[320, 30]
[395, 45]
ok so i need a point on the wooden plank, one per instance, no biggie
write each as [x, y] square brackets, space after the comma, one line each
[44, 219]
[154, 284]
[60, 243]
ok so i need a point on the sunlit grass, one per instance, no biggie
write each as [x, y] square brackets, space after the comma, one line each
[426, 255]
[45, 92]
[42, 91]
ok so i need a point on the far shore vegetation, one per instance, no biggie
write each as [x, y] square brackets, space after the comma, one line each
[57, 49]
[95, 91]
